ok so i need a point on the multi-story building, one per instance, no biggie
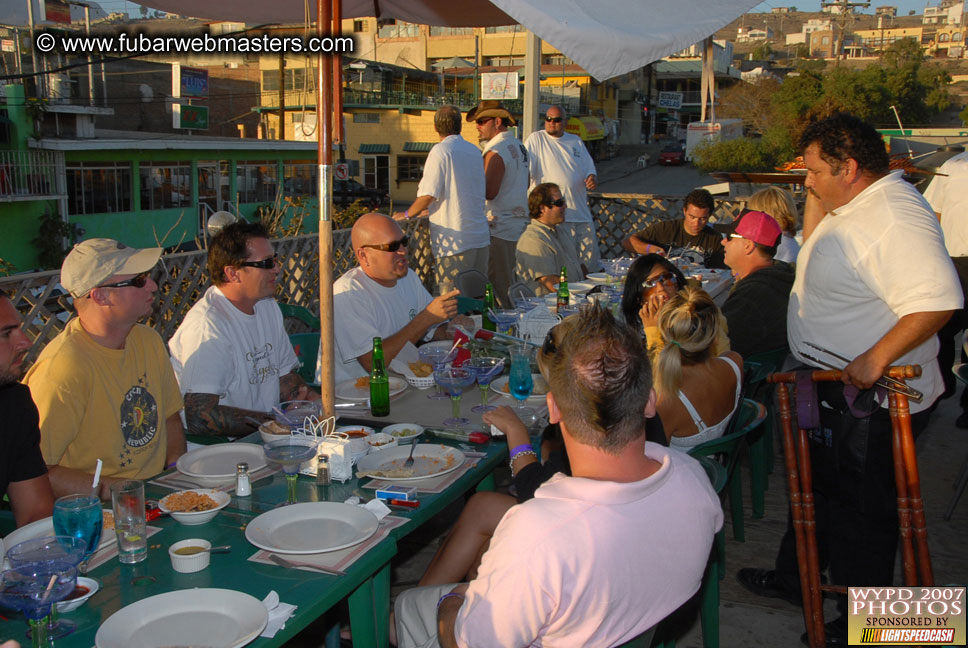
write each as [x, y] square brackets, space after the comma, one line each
[877, 40]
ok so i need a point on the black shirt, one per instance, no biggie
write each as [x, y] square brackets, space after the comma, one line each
[20, 457]
[671, 235]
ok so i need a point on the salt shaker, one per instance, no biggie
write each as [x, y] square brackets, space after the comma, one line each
[242, 486]
[322, 470]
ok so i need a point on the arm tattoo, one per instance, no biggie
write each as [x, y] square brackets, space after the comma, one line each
[289, 386]
[205, 417]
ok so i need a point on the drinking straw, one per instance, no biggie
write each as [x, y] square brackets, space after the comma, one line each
[282, 414]
[97, 476]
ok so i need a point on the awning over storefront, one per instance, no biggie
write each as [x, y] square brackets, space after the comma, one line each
[587, 128]
[418, 147]
[374, 149]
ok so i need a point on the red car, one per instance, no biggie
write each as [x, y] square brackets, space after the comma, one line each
[672, 154]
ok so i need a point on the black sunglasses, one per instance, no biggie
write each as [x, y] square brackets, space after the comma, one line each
[549, 347]
[138, 281]
[556, 120]
[392, 246]
[665, 277]
[557, 203]
[265, 264]
[483, 120]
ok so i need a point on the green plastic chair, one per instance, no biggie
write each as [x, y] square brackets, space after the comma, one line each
[306, 346]
[300, 313]
[7, 523]
[757, 368]
[729, 447]
[709, 592]
[468, 305]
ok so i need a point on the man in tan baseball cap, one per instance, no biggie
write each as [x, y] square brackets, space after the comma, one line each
[104, 387]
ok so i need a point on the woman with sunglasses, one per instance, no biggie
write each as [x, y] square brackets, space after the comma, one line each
[544, 247]
[651, 282]
[698, 390]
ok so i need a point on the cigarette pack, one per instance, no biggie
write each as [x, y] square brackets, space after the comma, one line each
[407, 493]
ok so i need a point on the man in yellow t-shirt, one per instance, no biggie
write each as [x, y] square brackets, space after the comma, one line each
[104, 387]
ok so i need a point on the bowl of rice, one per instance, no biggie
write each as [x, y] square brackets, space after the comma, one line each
[191, 507]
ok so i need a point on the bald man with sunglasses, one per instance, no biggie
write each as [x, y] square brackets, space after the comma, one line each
[231, 354]
[104, 387]
[382, 297]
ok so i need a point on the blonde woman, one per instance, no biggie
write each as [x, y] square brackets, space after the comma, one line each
[698, 391]
[779, 204]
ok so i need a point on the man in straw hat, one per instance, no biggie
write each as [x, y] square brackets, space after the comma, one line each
[104, 386]
[506, 190]
[452, 190]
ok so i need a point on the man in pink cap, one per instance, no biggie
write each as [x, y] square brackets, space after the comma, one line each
[756, 308]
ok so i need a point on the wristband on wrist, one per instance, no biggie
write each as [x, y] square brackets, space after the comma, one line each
[447, 596]
[524, 447]
[171, 465]
[517, 455]
[406, 213]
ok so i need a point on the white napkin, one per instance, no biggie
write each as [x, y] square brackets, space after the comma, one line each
[279, 613]
[374, 506]
[406, 355]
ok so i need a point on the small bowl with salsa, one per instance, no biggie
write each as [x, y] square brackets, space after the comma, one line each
[83, 590]
[358, 436]
[190, 556]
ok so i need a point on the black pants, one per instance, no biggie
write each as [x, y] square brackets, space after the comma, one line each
[855, 497]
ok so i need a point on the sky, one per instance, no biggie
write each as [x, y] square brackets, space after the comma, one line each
[903, 6]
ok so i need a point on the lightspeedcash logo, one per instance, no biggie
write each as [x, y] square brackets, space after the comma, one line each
[906, 616]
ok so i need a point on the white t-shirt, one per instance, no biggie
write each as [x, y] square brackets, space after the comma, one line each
[363, 310]
[565, 161]
[593, 563]
[454, 177]
[507, 212]
[220, 350]
[948, 196]
[867, 264]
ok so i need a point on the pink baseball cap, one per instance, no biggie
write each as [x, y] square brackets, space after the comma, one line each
[758, 227]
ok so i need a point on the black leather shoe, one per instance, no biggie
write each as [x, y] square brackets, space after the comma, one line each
[762, 582]
[835, 634]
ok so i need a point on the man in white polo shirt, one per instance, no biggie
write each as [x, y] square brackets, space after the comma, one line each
[452, 189]
[560, 157]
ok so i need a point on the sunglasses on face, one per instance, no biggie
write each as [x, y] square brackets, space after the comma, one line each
[392, 246]
[138, 281]
[665, 277]
[734, 236]
[265, 264]
[483, 120]
[549, 347]
[557, 203]
[555, 120]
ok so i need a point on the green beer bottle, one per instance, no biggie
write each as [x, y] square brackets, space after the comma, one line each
[486, 322]
[379, 382]
[562, 288]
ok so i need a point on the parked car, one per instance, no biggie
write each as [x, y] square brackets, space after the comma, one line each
[347, 191]
[672, 154]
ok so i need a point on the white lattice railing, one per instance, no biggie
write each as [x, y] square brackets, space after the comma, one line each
[30, 175]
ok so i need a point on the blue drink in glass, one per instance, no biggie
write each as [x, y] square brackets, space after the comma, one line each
[520, 382]
[79, 516]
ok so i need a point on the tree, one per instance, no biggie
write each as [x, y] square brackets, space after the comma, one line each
[901, 51]
[963, 116]
[762, 52]
[751, 102]
[912, 12]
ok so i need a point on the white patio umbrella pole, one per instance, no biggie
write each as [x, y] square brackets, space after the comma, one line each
[324, 154]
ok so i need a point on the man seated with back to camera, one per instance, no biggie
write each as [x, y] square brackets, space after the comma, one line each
[557, 569]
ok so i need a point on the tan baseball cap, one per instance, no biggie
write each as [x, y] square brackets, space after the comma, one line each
[93, 261]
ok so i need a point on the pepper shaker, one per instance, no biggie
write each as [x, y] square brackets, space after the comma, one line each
[322, 470]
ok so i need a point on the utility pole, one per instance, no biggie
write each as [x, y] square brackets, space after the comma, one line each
[846, 12]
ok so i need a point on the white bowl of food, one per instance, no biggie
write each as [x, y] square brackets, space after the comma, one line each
[358, 435]
[197, 506]
[404, 433]
[273, 430]
[381, 441]
[83, 590]
[190, 556]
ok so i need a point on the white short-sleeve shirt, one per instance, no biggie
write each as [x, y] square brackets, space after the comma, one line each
[507, 212]
[948, 196]
[564, 161]
[867, 264]
[454, 177]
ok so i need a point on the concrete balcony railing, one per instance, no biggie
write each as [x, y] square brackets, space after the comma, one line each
[31, 175]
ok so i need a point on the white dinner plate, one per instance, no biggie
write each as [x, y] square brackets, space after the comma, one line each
[43, 528]
[538, 393]
[217, 618]
[429, 460]
[597, 277]
[348, 390]
[578, 287]
[311, 527]
[217, 464]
